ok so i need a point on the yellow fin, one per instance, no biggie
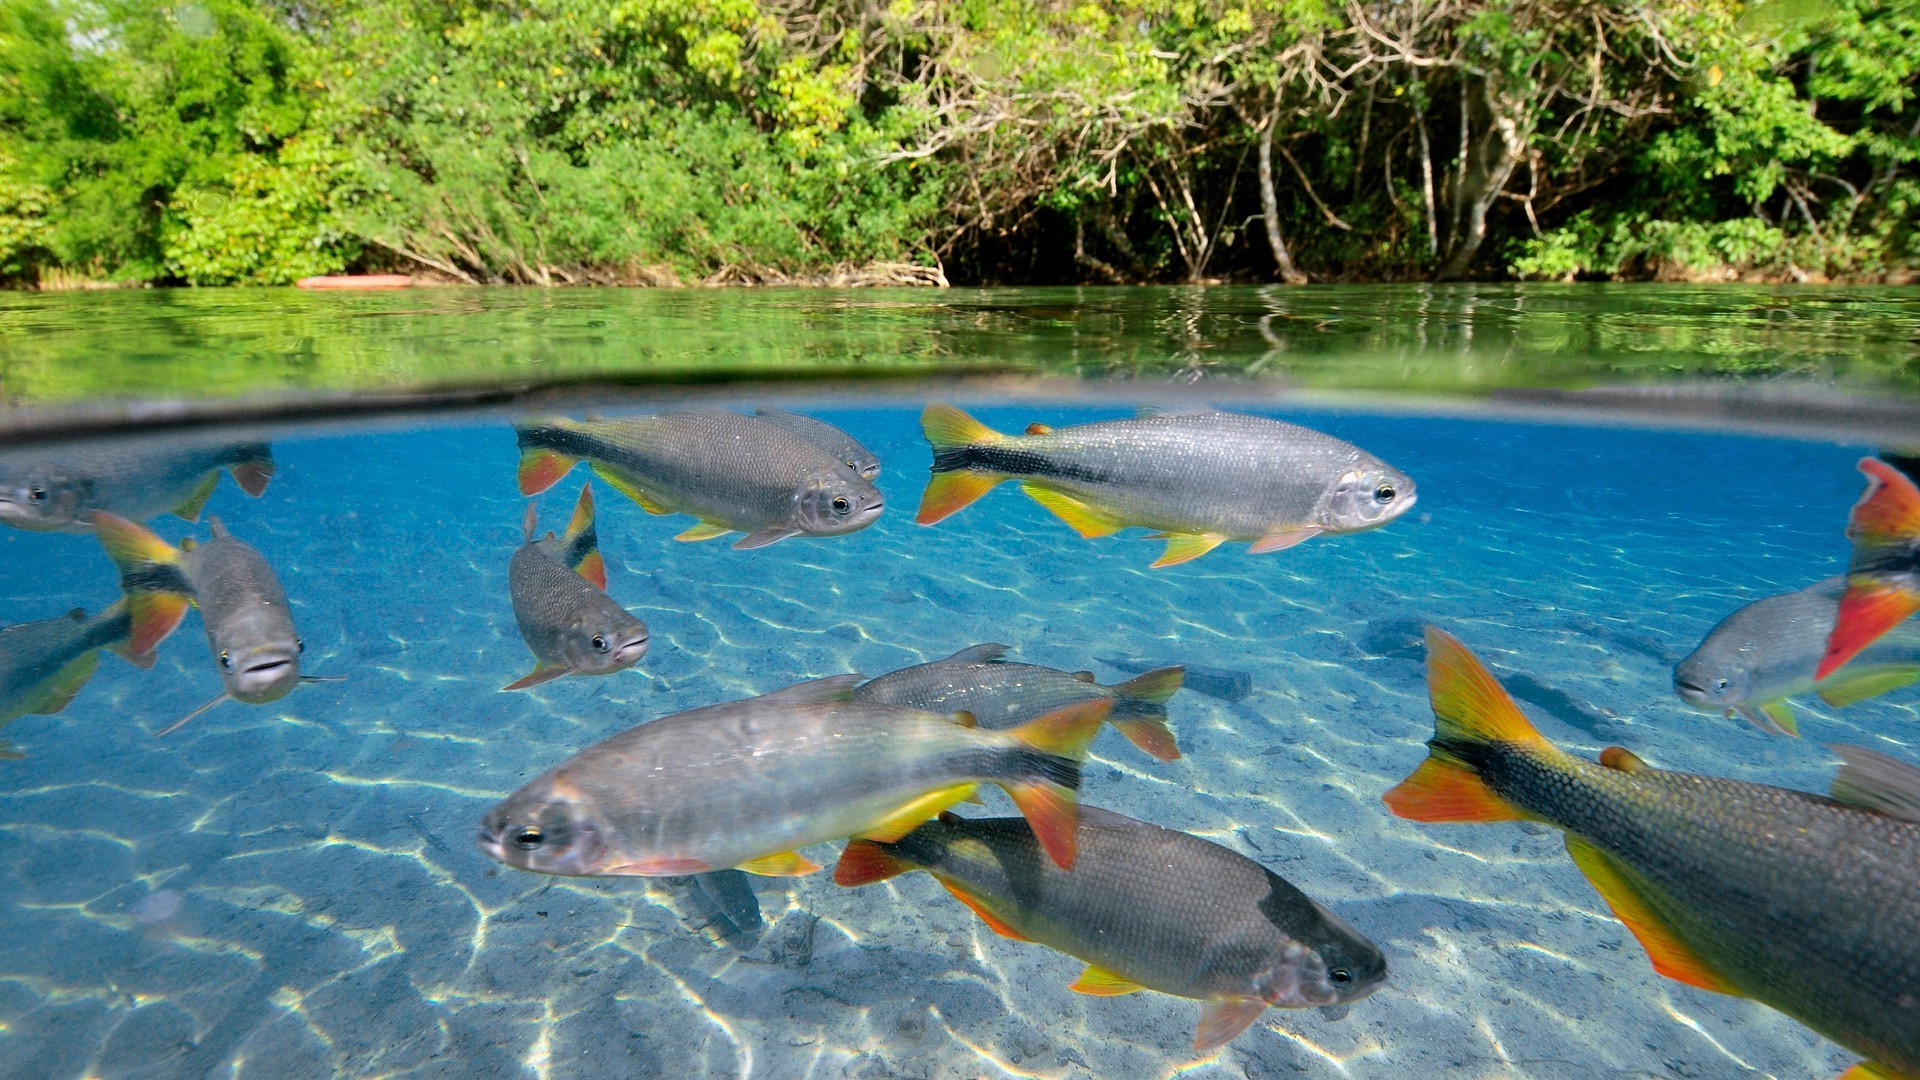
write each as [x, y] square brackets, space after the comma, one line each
[1038, 428]
[1840, 691]
[947, 426]
[1618, 885]
[626, 485]
[1102, 983]
[918, 812]
[706, 530]
[1622, 759]
[65, 683]
[1777, 717]
[1873, 1070]
[1183, 547]
[780, 864]
[1085, 520]
[949, 492]
[196, 501]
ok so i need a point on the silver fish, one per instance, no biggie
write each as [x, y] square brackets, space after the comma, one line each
[746, 783]
[1766, 652]
[735, 473]
[829, 438]
[244, 609]
[558, 586]
[48, 490]
[44, 664]
[1200, 479]
[1002, 695]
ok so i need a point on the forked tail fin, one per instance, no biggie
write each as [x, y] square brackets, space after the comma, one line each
[1883, 579]
[1472, 715]
[580, 544]
[954, 482]
[1047, 780]
[542, 466]
[1140, 711]
[157, 591]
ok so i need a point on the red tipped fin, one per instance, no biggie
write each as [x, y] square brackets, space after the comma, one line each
[1443, 789]
[1870, 608]
[541, 468]
[1469, 704]
[1100, 982]
[1038, 428]
[252, 475]
[1888, 511]
[1152, 736]
[1622, 759]
[196, 500]
[1054, 815]
[1067, 731]
[1223, 1019]
[1086, 520]
[994, 922]
[864, 862]
[780, 864]
[948, 492]
[152, 610]
[593, 567]
[1620, 888]
[582, 519]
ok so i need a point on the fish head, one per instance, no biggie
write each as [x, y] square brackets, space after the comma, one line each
[257, 671]
[545, 828]
[1366, 496]
[1334, 967]
[1704, 683]
[842, 503]
[599, 643]
[39, 497]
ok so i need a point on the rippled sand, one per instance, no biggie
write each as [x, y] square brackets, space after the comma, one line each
[293, 889]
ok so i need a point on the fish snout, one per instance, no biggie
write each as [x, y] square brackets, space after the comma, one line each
[631, 650]
[261, 674]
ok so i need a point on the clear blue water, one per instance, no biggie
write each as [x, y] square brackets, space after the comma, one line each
[293, 890]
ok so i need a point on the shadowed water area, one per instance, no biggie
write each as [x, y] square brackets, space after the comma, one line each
[293, 888]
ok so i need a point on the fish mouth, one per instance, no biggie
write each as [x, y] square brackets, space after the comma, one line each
[1694, 694]
[490, 845]
[632, 650]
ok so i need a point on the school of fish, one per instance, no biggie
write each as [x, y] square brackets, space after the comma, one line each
[1807, 903]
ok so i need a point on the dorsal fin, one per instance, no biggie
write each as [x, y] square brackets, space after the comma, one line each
[528, 522]
[1621, 758]
[1870, 780]
[985, 652]
[817, 691]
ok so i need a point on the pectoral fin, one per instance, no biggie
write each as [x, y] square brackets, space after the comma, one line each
[544, 673]
[780, 864]
[1185, 547]
[1086, 520]
[764, 537]
[1774, 716]
[1102, 983]
[1621, 888]
[1841, 691]
[706, 530]
[1222, 1019]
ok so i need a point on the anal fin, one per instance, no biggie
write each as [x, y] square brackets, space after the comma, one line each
[706, 530]
[994, 922]
[916, 813]
[1185, 547]
[1621, 888]
[628, 486]
[1086, 520]
[780, 864]
[1100, 982]
[1840, 691]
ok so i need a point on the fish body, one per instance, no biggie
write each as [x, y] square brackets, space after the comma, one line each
[558, 587]
[827, 437]
[1144, 907]
[1200, 479]
[43, 664]
[1808, 904]
[1766, 652]
[1002, 695]
[744, 784]
[1883, 573]
[242, 605]
[138, 479]
[735, 473]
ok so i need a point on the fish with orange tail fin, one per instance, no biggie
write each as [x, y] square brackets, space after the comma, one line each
[1883, 578]
[1805, 903]
[1200, 479]
[44, 664]
[746, 784]
[560, 601]
[1145, 908]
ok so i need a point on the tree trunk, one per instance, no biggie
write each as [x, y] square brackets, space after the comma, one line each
[1270, 208]
[1490, 160]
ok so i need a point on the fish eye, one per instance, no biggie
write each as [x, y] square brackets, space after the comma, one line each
[37, 494]
[841, 505]
[1384, 493]
[529, 838]
[1340, 975]
[300, 644]
[1719, 685]
[225, 660]
[600, 642]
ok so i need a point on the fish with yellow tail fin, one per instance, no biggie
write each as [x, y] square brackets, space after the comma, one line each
[43, 664]
[1199, 479]
[1808, 904]
[1144, 908]
[1883, 577]
[746, 784]
[559, 591]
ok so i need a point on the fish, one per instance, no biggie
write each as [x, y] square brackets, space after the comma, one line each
[745, 784]
[1002, 695]
[242, 606]
[719, 906]
[829, 438]
[44, 664]
[1144, 908]
[734, 473]
[558, 586]
[1808, 904]
[1883, 574]
[1227, 684]
[59, 490]
[1200, 479]
[1767, 651]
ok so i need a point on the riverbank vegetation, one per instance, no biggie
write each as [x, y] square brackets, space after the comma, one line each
[682, 141]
